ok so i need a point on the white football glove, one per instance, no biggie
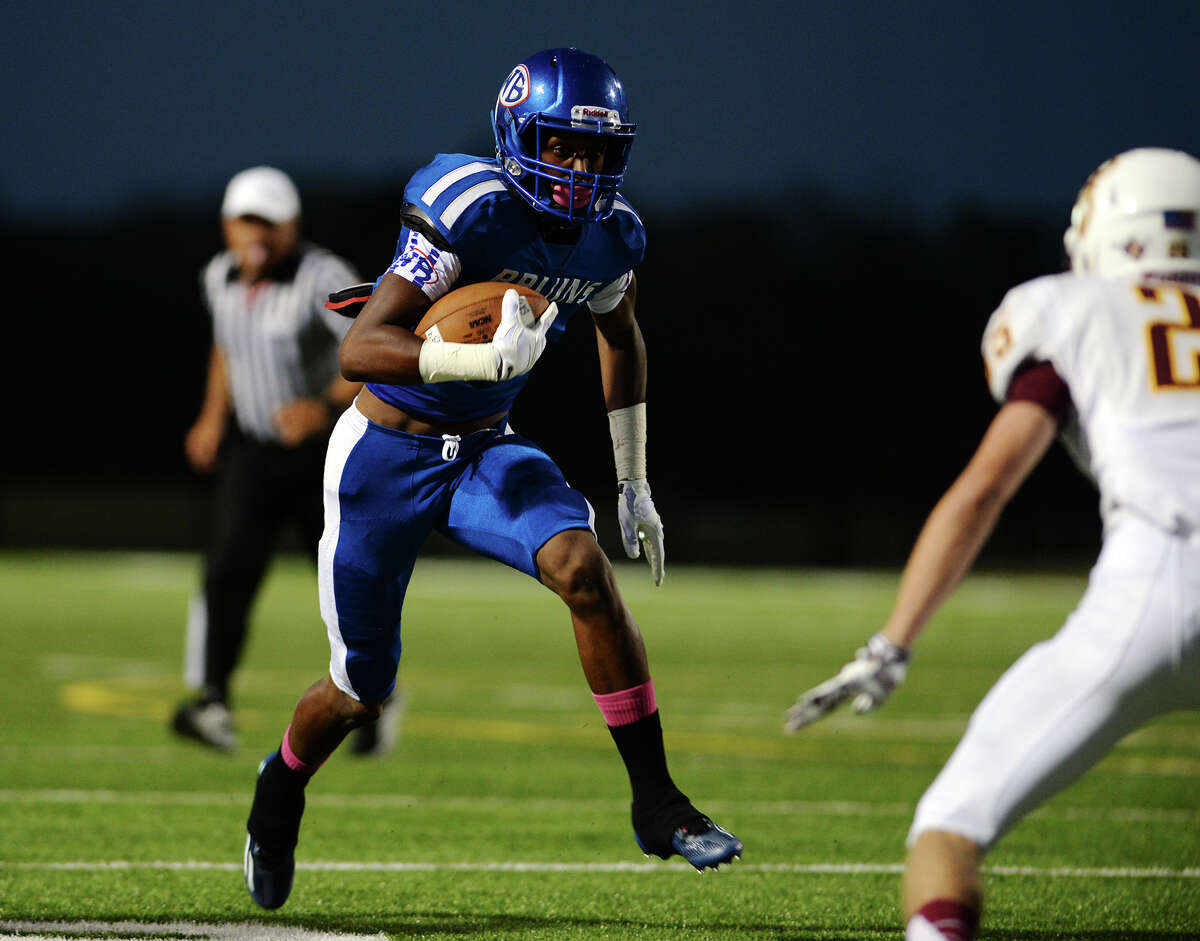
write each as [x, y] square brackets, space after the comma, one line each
[520, 338]
[640, 524]
[870, 677]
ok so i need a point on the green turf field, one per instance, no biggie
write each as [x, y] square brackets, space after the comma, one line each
[502, 813]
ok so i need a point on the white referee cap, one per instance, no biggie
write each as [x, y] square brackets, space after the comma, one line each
[261, 191]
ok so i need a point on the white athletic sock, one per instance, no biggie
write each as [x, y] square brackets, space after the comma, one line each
[919, 929]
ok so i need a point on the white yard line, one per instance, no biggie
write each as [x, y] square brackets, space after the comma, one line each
[1043, 872]
[114, 930]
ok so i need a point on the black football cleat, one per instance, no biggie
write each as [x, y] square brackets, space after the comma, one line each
[676, 827]
[269, 885]
[208, 721]
[377, 738]
[272, 831]
[709, 848]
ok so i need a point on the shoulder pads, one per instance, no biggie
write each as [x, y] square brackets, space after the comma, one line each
[418, 220]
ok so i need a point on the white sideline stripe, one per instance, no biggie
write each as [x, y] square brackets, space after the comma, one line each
[392, 801]
[799, 868]
[227, 931]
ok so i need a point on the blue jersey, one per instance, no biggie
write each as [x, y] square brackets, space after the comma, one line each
[486, 233]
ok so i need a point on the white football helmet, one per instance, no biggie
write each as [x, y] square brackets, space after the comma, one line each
[1139, 213]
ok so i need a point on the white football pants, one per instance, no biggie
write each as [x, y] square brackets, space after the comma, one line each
[1129, 651]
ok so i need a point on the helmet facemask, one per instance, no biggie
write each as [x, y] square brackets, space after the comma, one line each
[559, 190]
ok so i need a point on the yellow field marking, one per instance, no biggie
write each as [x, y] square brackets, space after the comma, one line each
[142, 697]
[107, 698]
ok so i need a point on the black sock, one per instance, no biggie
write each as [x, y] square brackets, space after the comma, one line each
[659, 808]
[211, 693]
[641, 746]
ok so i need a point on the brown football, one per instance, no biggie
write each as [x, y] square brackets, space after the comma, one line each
[471, 314]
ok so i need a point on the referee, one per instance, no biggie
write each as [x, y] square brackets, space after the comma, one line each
[272, 394]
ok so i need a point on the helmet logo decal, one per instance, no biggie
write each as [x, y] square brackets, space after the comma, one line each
[582, 115]
[1134, 248]
[515, 88]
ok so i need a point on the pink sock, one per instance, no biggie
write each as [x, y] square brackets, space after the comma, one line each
[627, 706]
[943, 919]
[291, 760]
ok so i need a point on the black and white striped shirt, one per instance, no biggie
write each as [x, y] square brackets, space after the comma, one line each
[279, 340]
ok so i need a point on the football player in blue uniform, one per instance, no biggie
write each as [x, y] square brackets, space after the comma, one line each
[428, 446]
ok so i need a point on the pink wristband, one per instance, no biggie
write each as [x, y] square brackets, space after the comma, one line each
[627, 706]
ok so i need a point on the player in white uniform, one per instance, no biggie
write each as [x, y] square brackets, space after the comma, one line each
[1108, 355]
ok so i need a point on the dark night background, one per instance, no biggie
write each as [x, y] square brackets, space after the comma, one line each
[836, 199]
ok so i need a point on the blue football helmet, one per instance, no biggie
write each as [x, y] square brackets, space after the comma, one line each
[556, 91]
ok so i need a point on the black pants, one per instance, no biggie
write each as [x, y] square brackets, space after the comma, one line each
[260, 489]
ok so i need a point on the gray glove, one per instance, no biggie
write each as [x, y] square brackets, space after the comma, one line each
[876, 670]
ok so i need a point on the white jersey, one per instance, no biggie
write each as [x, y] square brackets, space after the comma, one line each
[1130, 354]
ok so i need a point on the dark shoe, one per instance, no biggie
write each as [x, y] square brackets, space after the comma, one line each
[272, 831]
[708, 848]
[378, 737]
[674, 826]
[269, 885]
[208, 721]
